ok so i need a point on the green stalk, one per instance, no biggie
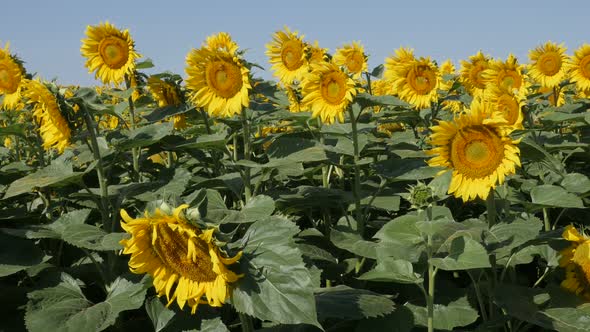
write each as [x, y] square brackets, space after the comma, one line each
[102, 181]
[546, 219]
[134, 151]
[491, 207]
[247, 324]
[246, 133]
[325, 182]
[357, 175]
[430, 297]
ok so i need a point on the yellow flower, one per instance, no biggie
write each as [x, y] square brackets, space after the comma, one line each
[185, 263]
[548, 64]
[580, 67]
[560, 101]
[11, 78]
[53, 126]
[476, 148]
[287, 56]
[218, 80]
[471, 73]
[447, 69]
[167, 94]
[506, 75]
[316, 54]
[110, 52]
[389, 128]
[294, 100]
[352, 57]
[393, 64]
[416, 82]
[507, 104]
[327, 91]
[575, 259]
[221, 42]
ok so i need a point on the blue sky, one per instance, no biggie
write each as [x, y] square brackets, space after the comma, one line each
[47, 34]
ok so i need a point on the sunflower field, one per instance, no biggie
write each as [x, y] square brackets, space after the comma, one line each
[413, 196]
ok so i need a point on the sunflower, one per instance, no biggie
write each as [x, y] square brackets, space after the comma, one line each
[327, 91]
[110, 52]
[167, 94]
[352, 57]
[476, 148]
[392, 64]
[506, 75]
[221, 42]
[218, 79]
[560, 101]
[294, 100]
[177, 253]
[447, 70]
[471, 73]
[575, 259]
[53, 126]
[507, 104]
[417, 81]
[548, 64]
[315, 54]
[287, 56]
[580, 67]
[11, 78]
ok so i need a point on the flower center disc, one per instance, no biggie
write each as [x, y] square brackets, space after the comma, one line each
[476, 74]
[549, 63]
[333, 88]
[476, 152]
[509, 79]
[114, 52]
[422, 80]
[172, 248]
[224, 77]
[292, 54]
[7, 82]
[509, 108]
[585, 66]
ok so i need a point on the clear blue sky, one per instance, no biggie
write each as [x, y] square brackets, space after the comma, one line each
[46, 34]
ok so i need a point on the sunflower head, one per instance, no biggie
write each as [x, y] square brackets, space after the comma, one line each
[12, 75]
[580, 67]
[185, 262]
[218, 80]
[417, 81]
[393, 67]
[506, 75]
[507, 104]
[548, 64]
[447, 71]
[221, 42]
[476, 149]
[327, 91]
[286, 54]
[352, 57]
[575, 259]
[316, 54]
[109, 52]
[471, 73]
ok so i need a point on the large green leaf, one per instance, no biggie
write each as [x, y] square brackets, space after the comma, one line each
[576, 183]
[64, 308]
[277, 286]
[348, 303]
[144, 136]
[401, 320]
[465, 253]
[258, 208]
[17, 254]
[455, 314]
[158, 313]
[58, 174]
[550, 195]
[389, 269]
[506, 237]
[345, 236]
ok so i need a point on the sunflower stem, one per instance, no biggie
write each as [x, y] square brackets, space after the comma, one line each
[102, 181]
[546, 219]
[247, 324]
[491, 207]
[134, 151]
[430, 295]
[357, 175]
[246, 133]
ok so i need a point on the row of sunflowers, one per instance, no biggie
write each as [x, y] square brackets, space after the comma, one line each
[412, 196]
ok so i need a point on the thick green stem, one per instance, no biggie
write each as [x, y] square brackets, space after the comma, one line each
[325, 182]
[546, 219]
[356, 191]
[246, 137]
[134, 151]
[247, 324]
[478, 295]
[491, 207]
[430, 297]
[102, 181]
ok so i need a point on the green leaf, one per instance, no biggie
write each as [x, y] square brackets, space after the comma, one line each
[465, 254]
[213, 141]
[145, 64]
[91, 237]
[570, 319]
[173, 188]
[576, 183]
[213, 325]
[17, 254]
[521, 302]
[401, 239]
[258, 208]
[277, 286]
[58, 174]
[457, 313]
[503, 238]
[16, 129]
[144, 136]
[348, 303]
[64, 308]
[401, 320]
[367, 100]
[158, 313]
[393, 270]
[345, 236]
[550, 195]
